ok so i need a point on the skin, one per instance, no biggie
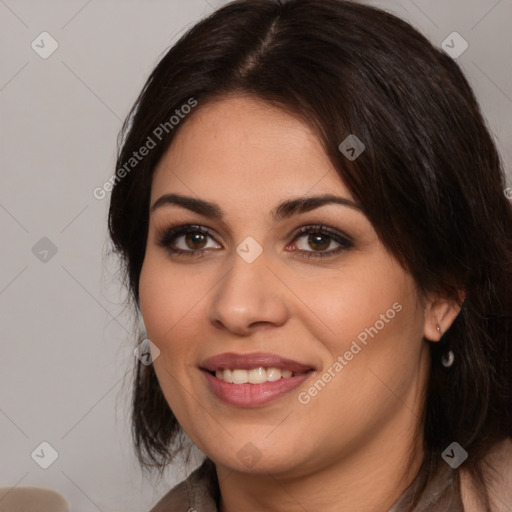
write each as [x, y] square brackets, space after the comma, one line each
[357, 443]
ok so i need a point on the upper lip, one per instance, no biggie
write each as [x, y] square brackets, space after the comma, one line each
[231, 360]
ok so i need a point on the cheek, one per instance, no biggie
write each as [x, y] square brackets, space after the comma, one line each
[167, 297]
[155, 301]
[160, 307]
[172, 304]
[169, 304]
[363, 301]
[374, 352]
[374, 338]
[370, 328]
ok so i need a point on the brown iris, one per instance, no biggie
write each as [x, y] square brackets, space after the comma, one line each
[315, 241]
[194, 239]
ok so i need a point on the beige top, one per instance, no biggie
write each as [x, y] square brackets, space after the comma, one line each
[199, 492]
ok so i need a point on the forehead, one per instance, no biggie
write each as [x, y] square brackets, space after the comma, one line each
[241, 148]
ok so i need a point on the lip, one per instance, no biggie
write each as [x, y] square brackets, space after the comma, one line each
[253, 395]
[231, 360]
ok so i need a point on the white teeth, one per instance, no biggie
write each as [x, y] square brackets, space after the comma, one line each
[226, 375]
[254, 376]
[273, 374]
[257, 375]
[240, 376]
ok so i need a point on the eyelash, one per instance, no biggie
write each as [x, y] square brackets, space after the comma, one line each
[168, 236]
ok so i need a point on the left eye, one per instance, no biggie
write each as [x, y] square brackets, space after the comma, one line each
[317, 241]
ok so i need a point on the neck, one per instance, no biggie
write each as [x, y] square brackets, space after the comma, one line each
[370, 479]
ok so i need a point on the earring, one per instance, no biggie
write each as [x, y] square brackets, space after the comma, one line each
[448, 358]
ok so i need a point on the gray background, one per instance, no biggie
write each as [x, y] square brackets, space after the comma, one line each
[66, 354]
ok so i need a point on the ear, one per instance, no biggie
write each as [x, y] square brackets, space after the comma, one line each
[441, 311]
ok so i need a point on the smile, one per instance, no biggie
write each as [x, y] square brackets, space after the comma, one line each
[253, 380]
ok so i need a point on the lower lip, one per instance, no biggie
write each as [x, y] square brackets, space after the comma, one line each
[254, 395]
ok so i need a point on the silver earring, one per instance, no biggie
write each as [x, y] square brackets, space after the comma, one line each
[448, 358]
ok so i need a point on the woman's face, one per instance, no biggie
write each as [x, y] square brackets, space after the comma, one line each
[330, 305]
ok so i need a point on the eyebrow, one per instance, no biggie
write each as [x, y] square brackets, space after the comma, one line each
[284, 210]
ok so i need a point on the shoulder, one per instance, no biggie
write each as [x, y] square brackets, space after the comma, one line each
[498, 474]
[197, 492]
[175, 499]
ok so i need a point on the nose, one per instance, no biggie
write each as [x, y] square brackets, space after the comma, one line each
[249, 297]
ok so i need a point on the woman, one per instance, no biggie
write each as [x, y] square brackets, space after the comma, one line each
[312, 219]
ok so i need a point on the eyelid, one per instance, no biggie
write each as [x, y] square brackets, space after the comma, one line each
[321, 228]
[164, 235]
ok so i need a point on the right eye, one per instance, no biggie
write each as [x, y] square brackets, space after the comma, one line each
[189, 240]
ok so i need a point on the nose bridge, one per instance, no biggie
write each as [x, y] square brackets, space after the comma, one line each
[248, 293]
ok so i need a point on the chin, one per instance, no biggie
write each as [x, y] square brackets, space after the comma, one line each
[252, 458]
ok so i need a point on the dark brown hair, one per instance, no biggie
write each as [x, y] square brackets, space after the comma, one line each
[430, 181]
